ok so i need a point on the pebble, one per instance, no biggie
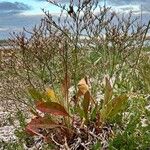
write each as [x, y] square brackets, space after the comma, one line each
[7, 134]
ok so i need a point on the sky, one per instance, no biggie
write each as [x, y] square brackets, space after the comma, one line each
[16, 14]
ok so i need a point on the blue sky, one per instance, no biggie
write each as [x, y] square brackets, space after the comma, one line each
[16, 14]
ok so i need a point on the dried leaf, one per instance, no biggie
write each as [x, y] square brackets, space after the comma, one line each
[51, 108]
[83, 86]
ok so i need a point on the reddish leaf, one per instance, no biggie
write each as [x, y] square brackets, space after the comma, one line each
[51, 108]
[40, 123]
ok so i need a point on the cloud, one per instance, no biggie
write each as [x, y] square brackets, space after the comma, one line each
[144, 3]
[127, 2]
[14, 16]
[41, 0]
[12, 8]
[136, 6]
[3, 29]
[120, 2]
[63, 1]
[17, 23]
[60, 1]
[11, 18]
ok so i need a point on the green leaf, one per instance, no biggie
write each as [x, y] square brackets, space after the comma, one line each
[35, 94]
[97, 146]
[94, 113]
[86, 103]
[51, 108]
[113, 107]
[79, 111]
[108, 91]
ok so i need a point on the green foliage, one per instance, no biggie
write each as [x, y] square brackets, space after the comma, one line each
[85, 104]
[21, 118]
[35, 94]
[86, 109]
[131, 133]
[11, 146]
[96, 146]
[112, 107]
